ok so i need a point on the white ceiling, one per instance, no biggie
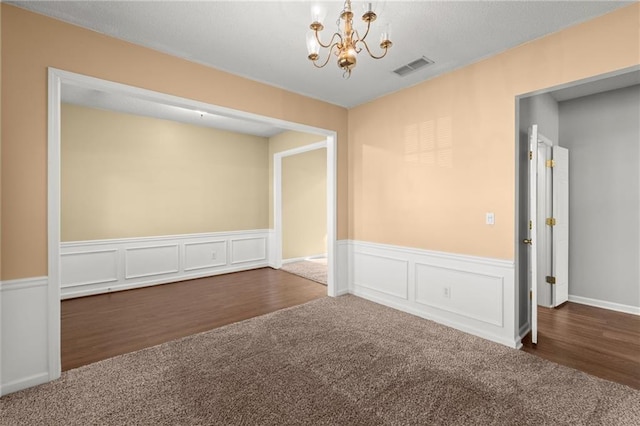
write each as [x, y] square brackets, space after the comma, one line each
[265, 41]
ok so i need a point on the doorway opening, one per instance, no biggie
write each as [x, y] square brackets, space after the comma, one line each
[299, 200]
[596, 119]
[60, 80]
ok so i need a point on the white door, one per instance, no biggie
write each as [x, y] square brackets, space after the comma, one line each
[560, 251]
[532, 276]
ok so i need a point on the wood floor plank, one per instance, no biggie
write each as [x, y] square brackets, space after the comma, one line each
[601, 342]
[102, 326]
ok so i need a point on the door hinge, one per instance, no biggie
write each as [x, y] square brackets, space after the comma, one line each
[530, 295]
[530, 155]
[550, 280]
[550, 163]
[551, 221]
[530, 225]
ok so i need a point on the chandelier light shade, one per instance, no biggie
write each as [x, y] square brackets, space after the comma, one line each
[345, 43]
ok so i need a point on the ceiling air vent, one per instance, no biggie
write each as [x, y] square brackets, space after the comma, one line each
[413, 66]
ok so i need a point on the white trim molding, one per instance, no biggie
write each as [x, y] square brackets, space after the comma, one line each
[102, 266]
[24, 334]
[57, 80]
[276, 260]
[23, 284]
[627, 309]
[343, 261]
[472, 294]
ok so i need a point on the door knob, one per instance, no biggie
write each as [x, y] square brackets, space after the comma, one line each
[527, 241]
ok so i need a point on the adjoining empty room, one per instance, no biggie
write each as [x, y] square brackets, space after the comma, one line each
[153, 193]
[588, 291]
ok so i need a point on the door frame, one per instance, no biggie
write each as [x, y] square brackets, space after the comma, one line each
[277, 206]
[532, 216]
[56, 79]
[522, 297]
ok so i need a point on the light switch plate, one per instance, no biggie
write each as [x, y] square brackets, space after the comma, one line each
[490, 219]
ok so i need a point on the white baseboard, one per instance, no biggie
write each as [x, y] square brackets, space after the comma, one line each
[473, 294]
[27, 382]
[101, 266]
[24, 333]
[627, 309]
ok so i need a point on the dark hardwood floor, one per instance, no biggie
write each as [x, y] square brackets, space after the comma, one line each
[598, 341]
[102, 326]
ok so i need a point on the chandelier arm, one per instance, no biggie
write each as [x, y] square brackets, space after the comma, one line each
[386, 49]
[328, 56]
[366, 33]
[331, 43]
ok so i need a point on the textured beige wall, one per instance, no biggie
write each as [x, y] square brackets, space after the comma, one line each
[130, 176]
[427, 163]
[32, 42]
[304, 204]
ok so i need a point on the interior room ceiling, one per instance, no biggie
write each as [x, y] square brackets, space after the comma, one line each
[265, 40]
[132, 105]
[627, 79]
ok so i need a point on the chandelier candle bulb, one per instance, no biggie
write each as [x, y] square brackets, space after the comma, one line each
[318, 14]
[386, 32]
[312, 45]
[369, 15]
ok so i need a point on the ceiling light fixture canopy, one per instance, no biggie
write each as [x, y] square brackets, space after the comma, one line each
[346, 41]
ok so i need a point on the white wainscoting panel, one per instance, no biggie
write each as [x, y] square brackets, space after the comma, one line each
[472, 294]
[469, 294]
[383, 274]
[100, 266]
[245, 250]
[152, 260]
[205, 255]
[89, 267]
[24, 336]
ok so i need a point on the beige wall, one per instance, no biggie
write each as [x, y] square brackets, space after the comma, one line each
[31, 43]
[427, 163]
[284, 142]
[130, 176]
[301, 177]
[304, 204]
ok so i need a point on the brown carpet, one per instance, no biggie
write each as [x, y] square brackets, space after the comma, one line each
[312, 269]
[343, 361]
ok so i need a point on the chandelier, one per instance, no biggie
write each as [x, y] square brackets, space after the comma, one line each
[346, 43]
